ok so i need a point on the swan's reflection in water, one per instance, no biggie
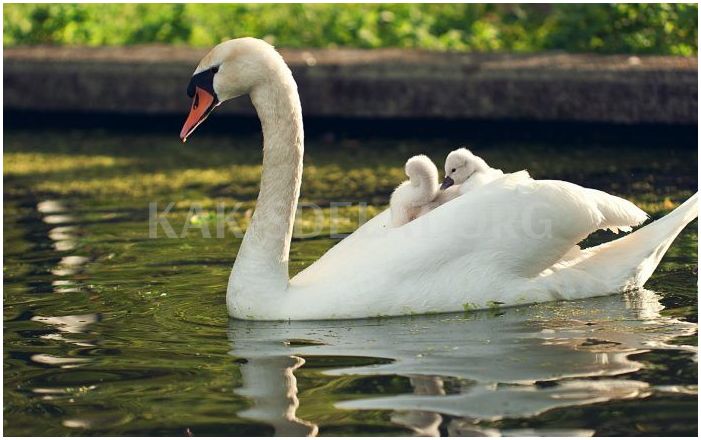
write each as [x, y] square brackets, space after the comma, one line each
[509, 363]
[423, 423]
[270, 382]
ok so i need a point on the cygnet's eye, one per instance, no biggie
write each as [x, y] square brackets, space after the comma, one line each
[453, 170]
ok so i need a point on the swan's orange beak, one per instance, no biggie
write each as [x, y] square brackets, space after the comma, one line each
[202, 105]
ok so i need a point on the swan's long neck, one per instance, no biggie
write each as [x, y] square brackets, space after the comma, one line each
[260, 269]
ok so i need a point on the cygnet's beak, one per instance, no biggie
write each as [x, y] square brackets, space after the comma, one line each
[204, 100]
[447, 182]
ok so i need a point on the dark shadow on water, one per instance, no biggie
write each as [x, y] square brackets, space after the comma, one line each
[682, 136]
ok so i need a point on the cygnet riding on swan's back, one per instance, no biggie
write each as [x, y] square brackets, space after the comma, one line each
[412, 195]
[464, 169]
[481, 248]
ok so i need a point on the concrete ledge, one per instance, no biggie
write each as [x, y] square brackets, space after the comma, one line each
[387, 83]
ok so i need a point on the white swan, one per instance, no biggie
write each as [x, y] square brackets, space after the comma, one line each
[511, 241]
[414, 194]
[468, 171]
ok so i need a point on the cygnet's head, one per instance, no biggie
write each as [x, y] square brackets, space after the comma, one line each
[421, 169]
[232, 68]
[460, 165]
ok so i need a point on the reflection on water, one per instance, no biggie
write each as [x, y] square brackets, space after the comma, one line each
[271, 383]
[515, 363]
[108, 332]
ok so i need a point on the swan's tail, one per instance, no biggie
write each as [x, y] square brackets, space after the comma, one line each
[623, 264]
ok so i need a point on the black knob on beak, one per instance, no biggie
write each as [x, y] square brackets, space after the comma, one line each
[447, 182]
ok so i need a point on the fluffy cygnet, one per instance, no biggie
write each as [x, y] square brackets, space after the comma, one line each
[411, 196]
[467, 171]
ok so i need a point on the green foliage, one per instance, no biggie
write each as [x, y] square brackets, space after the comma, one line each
[608, 28]
[643, 28]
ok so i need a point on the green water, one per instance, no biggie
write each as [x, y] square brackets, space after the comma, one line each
[110, 332]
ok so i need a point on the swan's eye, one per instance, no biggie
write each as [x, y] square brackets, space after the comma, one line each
[215, 69]
[453, 170]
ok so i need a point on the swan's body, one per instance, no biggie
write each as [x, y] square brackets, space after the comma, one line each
[467, 171]
[410, 197]
[510, 241]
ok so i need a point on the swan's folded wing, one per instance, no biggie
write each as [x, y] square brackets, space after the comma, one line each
[513, 226]
[549, 217]
[617, 214]
[619, 265]
[525, 225]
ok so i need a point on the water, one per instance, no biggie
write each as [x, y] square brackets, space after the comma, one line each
[110, 332]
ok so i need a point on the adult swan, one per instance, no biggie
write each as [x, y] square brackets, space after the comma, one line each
[513, 241]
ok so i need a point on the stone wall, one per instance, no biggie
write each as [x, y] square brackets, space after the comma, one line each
[382, 83]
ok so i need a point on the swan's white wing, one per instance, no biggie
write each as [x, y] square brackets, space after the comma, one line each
[533, 222]
[511, 228]
[618, 265]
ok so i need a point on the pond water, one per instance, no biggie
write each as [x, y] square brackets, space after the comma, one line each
[108, 331]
